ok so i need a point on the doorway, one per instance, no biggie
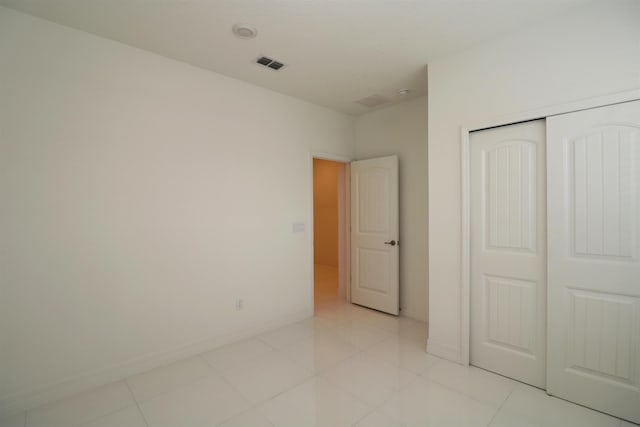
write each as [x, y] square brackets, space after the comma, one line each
[330, 231]
[355, 243]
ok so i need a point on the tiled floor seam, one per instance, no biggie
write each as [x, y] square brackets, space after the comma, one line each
[80, 424]
[467, 395]
[251, 404]
[501, 405]
[255, 405]
[313, 372]
[177, 387]
[259, 411]
[350, 393]
[265, 342]
[313, 375]
[374, 407]
[364, 416]
[144, 418]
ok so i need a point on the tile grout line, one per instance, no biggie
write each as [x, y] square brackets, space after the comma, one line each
[216, 372]
[256, 405]
[365, 415]
[332, 325]
[101, 416]
[364, 352]
[222, 377]
[317, 375]
[501, 405]
[144, 418]
[213, 373]
[257, 409]
[465, 394]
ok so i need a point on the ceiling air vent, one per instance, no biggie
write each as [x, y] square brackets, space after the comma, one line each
[269, 63]
[373, 101]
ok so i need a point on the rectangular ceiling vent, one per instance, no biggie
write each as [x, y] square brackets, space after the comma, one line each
[270, 63]
[373, 101]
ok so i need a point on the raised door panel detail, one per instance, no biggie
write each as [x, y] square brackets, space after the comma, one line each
[374, 221]
[373, 269]
[510, 313]
[601, 182]
[510, 186]
[593, 269]
[373, 193]
[507, 249]
[603, 336]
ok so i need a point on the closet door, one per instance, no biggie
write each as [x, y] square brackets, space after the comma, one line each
[508, 251]
[594, 258]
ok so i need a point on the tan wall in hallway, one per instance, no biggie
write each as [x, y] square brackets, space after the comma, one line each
[325, 212]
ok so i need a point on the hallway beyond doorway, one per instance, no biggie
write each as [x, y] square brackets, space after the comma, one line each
[325, 283]
[330, 231]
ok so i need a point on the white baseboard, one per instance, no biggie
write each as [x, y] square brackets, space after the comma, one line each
[444, 351]
[20, 402]
[420, 317]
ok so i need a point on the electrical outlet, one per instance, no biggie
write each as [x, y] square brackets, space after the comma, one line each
[239, 304]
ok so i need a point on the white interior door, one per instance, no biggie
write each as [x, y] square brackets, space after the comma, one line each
[594, 258]
[375, 234]
[508, 251]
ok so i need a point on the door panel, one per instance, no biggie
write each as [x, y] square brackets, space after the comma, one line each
[374, 221]
[508, 279]
[594, 269]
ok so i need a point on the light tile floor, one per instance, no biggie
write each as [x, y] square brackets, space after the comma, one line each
[347, 366]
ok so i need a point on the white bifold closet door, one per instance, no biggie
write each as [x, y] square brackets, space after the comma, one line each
[508, 251]
[594, 258]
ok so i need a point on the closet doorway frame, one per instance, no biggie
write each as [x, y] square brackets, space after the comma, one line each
[539, 114]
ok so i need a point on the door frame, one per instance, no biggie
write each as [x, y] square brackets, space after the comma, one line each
[465, 151]
[344, 241]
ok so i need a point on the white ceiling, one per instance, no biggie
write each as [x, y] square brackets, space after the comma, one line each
[336, 51]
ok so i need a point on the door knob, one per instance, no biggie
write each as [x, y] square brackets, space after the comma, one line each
[390, 242]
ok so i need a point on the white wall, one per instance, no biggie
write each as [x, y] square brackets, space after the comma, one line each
[139, 199]
[592, 52]
[402, 129]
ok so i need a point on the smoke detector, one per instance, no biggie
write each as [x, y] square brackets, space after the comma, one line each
[244, 31]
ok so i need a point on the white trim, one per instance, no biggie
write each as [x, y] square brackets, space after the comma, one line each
[541, 113]
[328, 156]
[348, 219]
[20, 402]
[444, 351]
[465, 333]
[344, 247]
[554, 110]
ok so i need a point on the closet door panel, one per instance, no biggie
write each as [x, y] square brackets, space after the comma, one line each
[593, 258]
[508, 251]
